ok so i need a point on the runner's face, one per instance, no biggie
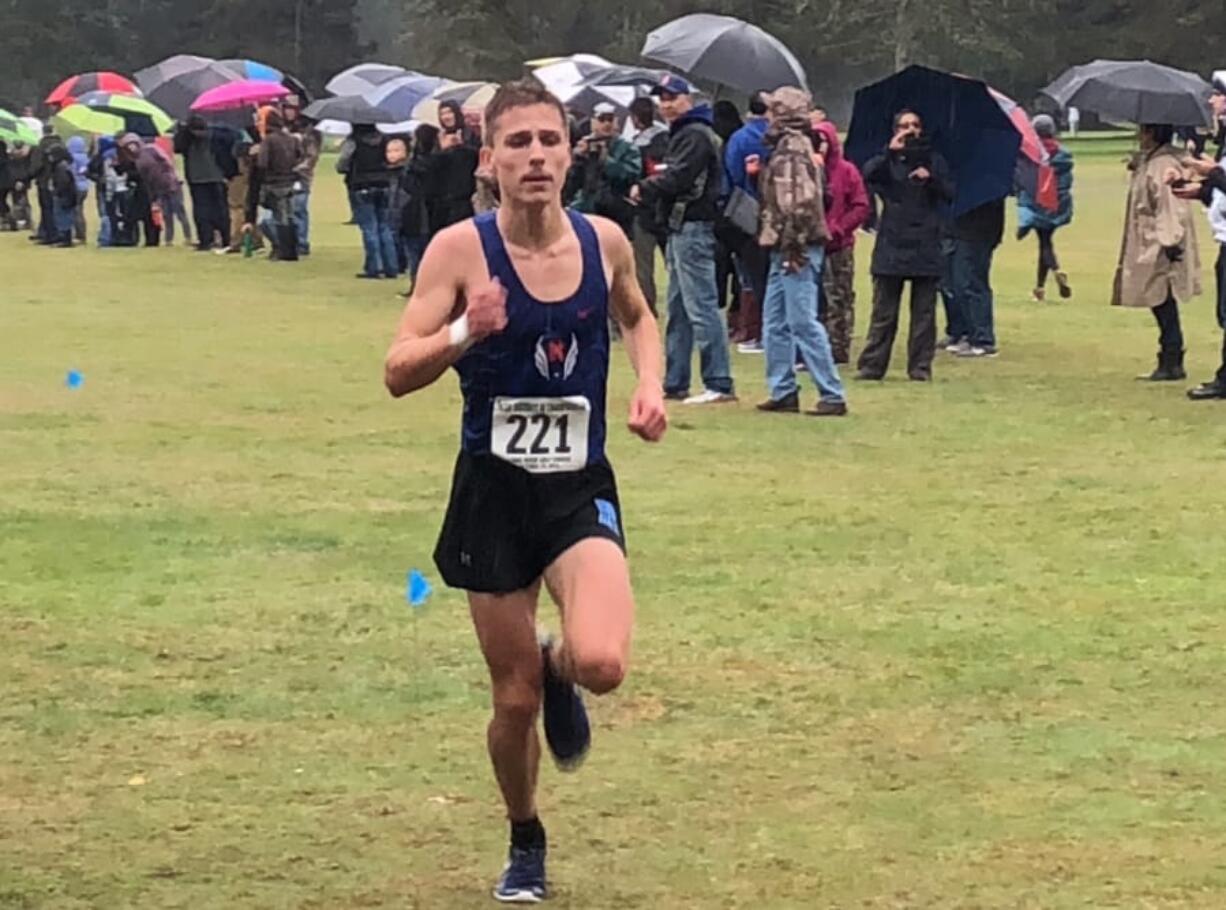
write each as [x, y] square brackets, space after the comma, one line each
[531, 154]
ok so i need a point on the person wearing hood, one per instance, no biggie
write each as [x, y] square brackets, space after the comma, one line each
[1033, 217]
[451, 122]
[80, 170]
[846, 212]
[416, 187]
[274, 184]
[103, 174]
[63, 195]
[370, 180]
[205, 152]
[454, 178]
[795, 231]
[1159, 264]
[912, 179]
[154, 180]
[685, 194]
[42, 166]
[1210, 189]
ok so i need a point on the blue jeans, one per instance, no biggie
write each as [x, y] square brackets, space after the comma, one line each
[972, 273]
[372, 214]
[956, 326]
[63, 218]
[302, 218]
[693, 312]
[790, 324]
[104, 219]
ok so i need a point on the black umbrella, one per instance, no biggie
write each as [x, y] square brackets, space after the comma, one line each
[348, 109]
[1137, 91]
[726, 50]
[178, 81]
[635, 76]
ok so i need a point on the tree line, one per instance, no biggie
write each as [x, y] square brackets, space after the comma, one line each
[1016, 45]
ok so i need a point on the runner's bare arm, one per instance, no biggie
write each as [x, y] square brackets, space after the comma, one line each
[433, 334]
[648, 418]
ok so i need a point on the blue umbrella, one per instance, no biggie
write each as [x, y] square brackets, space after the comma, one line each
[963, 120]
[253, 69]
[400, 95]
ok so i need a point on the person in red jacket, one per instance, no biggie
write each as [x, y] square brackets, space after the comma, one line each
[847, 210]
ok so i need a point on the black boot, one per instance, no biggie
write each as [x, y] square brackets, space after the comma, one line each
[287, 241]
[1170, 368]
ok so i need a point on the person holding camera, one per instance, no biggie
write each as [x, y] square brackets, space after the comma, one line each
[912, 179]
[605, 167]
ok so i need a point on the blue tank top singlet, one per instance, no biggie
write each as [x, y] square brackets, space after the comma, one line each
[534, 394]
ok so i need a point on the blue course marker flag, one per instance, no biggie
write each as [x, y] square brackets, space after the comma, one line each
[74, 379]
[418, 590]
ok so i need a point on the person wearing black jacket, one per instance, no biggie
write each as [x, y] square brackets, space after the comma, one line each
[41, 166]
[913, 181]
[685, 195]
[206, 159]
[416, 189]
[975, 236]
[63, 189]
[21, 173]
[274, 181]
[454, 181]
[370, 181]
[6, 187]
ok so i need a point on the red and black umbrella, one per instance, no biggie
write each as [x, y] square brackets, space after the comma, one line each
[72, 88]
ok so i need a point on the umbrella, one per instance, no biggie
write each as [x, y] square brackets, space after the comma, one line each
[262, 72]
[583, 98]
[175, 83]
[636, 76]
[726, 50]
[965, 123]
[348, 109]
[361, 78]
[73, 87]
[1137, 91]
[105, 114]
[13, 130]
[1032, 172]
[400, 95]
[471, 96]
[244, 93]
[559, 75]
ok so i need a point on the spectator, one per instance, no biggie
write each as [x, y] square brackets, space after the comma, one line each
[173, 207]
[41, 168]
[80, 172]
[1159, 264]
[21, 172]
[748, 146]
[651, 140]
[105, 179]
[726, 120]
[1211, 190]
[1033, 217]
[6, 187]
[203, 159]
[274, 186]
[312, 145]
[451, 122]
[685, 197]
[846, 213]
[396, 153]
[913, 182]
[415, 189]
[370, 180]
[794, 230]
[976, 235]
[147, 181]
[239, 194]
[455, 181]
[606, 167]
[63, 188]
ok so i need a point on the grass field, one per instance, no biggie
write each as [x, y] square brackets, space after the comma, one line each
[960, 650]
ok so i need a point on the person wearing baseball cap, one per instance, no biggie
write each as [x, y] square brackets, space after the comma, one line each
[606, 167]
[683, 196]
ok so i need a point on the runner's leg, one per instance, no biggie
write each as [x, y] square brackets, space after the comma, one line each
[506, 628]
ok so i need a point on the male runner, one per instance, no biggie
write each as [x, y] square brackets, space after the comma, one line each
[518, 301]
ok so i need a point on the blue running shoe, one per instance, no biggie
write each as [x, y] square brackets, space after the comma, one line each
[523, 880]
[566, 727]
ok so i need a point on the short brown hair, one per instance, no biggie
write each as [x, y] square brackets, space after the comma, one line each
[525, 92]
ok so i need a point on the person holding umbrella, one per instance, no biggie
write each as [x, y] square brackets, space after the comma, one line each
[912, 179]
[1159, 265]
[203, 154]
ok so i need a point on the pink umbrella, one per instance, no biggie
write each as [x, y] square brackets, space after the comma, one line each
[245, 93]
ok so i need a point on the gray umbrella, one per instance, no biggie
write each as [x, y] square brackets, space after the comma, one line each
[636, 76]
[347, 109]
[177, 81]
[1137, 91]
[726, 50]
[360, 79]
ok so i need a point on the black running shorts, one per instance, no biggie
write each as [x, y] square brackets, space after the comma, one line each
[505, 526]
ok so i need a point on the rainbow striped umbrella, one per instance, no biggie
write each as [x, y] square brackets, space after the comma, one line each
[106, 114]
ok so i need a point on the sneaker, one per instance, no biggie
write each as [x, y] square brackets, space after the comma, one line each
[977, 351]
[788, 404]
[946, 342]
[710, 396]
[523, 879]
[681, 395]
[1038, 295]
[1062, 280]
[750, 347]
[566, 726]
[958, 348]
[829, 409]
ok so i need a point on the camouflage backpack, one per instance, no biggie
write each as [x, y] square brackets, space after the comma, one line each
[793, 203]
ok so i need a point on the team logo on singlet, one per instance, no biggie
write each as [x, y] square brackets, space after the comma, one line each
[557, 358]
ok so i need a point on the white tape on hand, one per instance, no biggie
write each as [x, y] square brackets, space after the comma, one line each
[459, 332]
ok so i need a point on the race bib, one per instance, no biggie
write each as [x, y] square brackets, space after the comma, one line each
[541, 435]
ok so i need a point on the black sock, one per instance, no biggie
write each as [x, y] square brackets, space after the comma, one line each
[528, 835]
